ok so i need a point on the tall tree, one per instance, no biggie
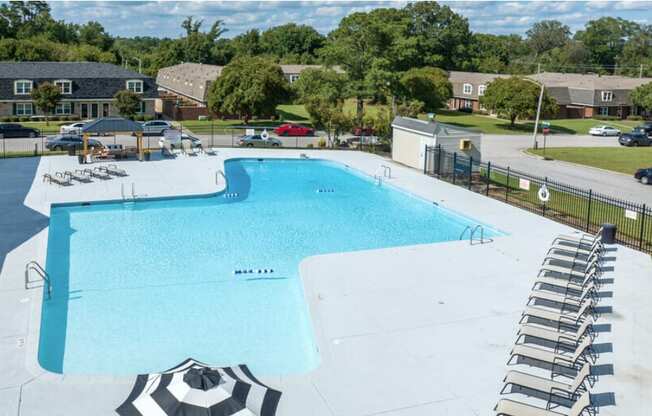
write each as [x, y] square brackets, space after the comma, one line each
[247, 87]
[605, 39]
[546, 35]
[516, 98]
[247, 44]
[93, 33]
[46, 96]
[291, 40]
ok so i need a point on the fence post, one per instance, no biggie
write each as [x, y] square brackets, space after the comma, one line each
[588, 213]
[543, 208]
[454, 166]
[438, 160]
[42, 144]
[470, 170]
[4, 146]
[507, 186]
[212, 132]
[642, 234]
[425, 161]
[488, 177]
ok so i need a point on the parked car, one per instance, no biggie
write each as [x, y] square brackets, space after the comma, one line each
[644, 175]
[67, 141]
[363, 131]
[74, 128]
[8, 130]
[155, 127]
[294, 130]
[634, 138]
[257, 140]
[604, 131]
[646, 127]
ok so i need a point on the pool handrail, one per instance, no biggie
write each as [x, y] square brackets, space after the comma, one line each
[34, 265]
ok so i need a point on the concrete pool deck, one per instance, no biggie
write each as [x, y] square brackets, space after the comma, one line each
[417, 330]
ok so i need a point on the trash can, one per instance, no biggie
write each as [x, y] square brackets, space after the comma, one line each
[80, 159]
[608, 234]
[72, 151]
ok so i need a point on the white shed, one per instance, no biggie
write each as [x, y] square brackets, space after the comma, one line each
[410, 137]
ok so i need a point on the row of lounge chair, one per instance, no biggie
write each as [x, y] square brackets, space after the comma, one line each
[87, 175]
[189, 151]
[557, 333]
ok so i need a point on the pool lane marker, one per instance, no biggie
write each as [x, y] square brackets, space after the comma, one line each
[253, 271]
[231, 195]
[325, 190]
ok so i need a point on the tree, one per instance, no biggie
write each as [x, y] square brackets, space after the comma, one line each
[605, 39]
[46, 96]
[247, 87]
[127, 103]
[516, 97]
[428, 85]
[93, 33]
[642, 96]
[546, 35]
[247, 44]
[291, 40]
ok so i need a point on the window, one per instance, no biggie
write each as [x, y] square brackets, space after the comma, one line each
[64, 85]
[143, 107]
[63, 108]
[604, 111]
[135, 85]
[481, 89]
[23, 109]
[293, 77]
[23, 87]
[607, 95]
[467, 104]
[467, 89]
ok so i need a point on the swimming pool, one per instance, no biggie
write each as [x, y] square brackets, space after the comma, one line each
[139, 287]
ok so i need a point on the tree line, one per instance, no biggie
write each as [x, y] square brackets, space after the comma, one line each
[388, 40]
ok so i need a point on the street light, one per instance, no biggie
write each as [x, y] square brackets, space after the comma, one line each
[536, 121]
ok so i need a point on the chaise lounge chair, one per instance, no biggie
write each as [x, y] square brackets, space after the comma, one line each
[568, 338]
[559, 318]
[58, 178]
[583, 353]
[566, 286]
[212, 151]
[114, 170]
[96, 173]
[506, 407]
[565, 299]
[77, 176]
[520, 380]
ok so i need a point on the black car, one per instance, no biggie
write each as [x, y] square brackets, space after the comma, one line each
[68, 141]
[634, 138]
[644, 175]
[646, 127]
[8, 130]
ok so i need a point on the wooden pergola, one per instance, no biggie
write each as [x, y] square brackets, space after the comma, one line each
[113, 126]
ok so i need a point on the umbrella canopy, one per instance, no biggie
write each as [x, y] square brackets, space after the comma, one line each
[112, 125]
[193, 388]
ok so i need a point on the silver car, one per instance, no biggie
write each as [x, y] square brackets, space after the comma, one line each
[256, 140]
[155, 127]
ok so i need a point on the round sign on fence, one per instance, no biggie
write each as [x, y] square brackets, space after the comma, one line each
[264, 135]
[544, 194]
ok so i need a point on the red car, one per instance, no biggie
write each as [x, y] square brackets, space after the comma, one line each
[363, 131]
[294, 130]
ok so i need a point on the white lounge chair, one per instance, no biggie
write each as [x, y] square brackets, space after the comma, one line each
[556, 358]
[519, 379]
[565, 299]
[506, 407]
[559, 338]
[559, 318]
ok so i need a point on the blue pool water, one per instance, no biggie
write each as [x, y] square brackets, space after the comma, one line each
[140, 287]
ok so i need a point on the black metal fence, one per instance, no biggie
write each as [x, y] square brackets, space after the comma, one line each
[580, 208]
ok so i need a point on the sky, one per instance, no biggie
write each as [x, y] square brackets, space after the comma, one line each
[163, 18]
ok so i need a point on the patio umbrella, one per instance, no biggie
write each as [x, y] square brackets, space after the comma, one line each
[193, 388]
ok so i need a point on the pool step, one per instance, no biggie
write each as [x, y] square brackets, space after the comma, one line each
[231, 195]
[253, 271]
[325, 190]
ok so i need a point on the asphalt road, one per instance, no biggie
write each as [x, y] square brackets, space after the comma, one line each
[508, 151]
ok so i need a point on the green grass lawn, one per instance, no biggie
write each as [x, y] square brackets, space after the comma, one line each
[46, 128]
[618, 159]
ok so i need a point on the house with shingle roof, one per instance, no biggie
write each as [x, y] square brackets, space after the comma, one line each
[468, 87]
[185, 86]
[87, 88]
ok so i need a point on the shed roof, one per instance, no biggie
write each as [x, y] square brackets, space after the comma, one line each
[430, 128]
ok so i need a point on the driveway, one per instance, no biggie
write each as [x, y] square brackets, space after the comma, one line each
[508, 151]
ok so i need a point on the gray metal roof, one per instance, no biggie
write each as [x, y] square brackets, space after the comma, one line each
[65, 70]
[112, 125]
[430, 128]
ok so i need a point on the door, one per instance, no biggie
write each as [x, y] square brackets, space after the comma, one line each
[94, 110]
[84, 111]
[105, 110]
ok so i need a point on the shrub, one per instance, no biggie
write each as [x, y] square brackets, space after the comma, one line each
[607, 118]
[635, 118]
[321, 143]
[310, 146]
[23, 119]
[15, 119]
[139, 117]
[465, 110]
[148, 118]
[5, 119]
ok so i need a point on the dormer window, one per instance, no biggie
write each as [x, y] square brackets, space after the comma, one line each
[467, 89]
[607, 96]
[65, 86]
[135, 85]
[481, 89]
[23, 87]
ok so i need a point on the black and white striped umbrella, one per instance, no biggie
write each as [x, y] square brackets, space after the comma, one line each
[194, 389]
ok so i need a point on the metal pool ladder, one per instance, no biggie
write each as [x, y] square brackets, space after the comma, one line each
[473, 230]
[33, 265]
